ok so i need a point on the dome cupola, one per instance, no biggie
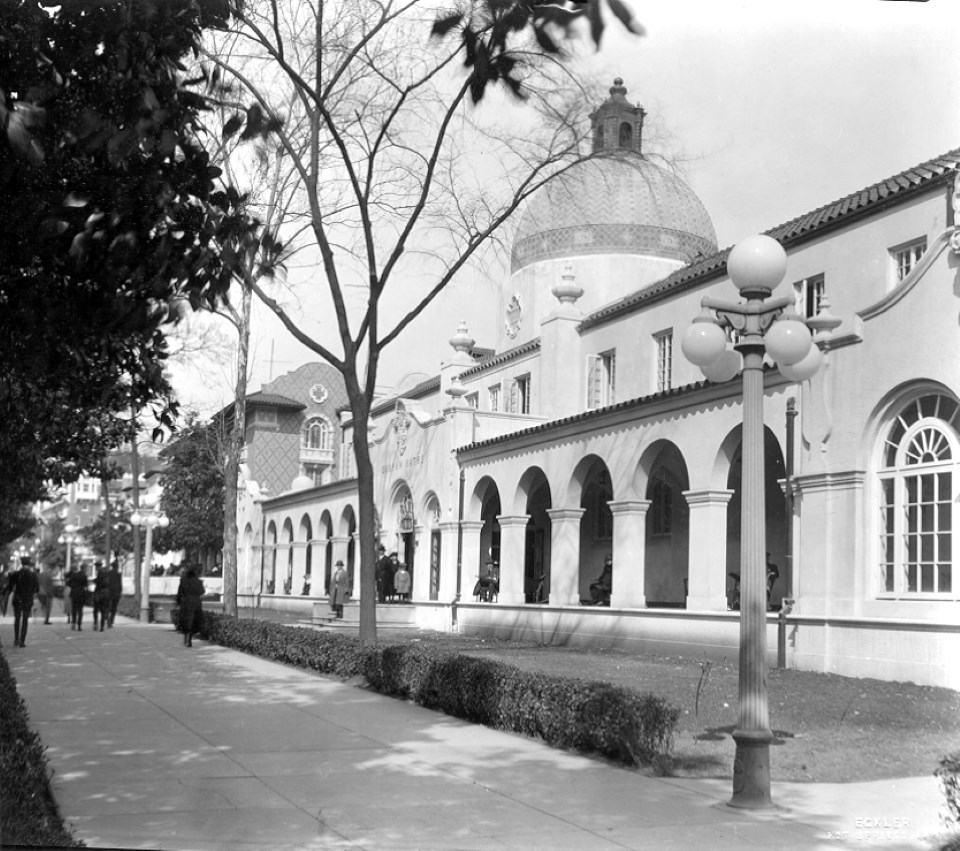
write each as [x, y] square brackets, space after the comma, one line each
[616, 203]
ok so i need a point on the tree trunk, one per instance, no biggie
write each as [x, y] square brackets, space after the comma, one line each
[135, 493]
[107, 513]
[231, 471]
[360, 410]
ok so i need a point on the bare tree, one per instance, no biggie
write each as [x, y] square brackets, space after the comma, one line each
[400, 179]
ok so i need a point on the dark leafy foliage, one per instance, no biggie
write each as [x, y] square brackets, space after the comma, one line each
[28, 816]
[109, 212]
[591, 717]
[194, 488]
[493, 31]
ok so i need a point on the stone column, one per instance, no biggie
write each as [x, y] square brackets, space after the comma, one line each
[629, 553]
[513, 554]
[448, 561]
[708, 549]
[470, 564]
[565, 555]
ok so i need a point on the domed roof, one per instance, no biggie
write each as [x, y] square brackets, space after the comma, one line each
[616, 204]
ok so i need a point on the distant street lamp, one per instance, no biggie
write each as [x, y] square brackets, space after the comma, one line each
[148, 516]
[69, 537]
[755, 265]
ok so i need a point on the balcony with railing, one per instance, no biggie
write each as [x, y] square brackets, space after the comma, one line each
[314, 455]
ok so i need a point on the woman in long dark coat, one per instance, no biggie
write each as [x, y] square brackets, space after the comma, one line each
[189, 596]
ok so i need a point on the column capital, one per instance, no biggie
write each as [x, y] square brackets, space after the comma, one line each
[448, 526]
[471, 525]
[561, 514]
[298, 544]
[507, 521]
[339, 539]
[708, 496]
[629, 506]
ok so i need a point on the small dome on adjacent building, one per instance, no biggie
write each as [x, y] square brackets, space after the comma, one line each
[616, 204]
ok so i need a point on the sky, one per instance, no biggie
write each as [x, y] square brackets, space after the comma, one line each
[770, 110]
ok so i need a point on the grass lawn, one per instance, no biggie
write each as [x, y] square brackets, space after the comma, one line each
[827, 729]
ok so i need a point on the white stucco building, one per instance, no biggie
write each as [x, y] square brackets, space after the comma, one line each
[586, 433]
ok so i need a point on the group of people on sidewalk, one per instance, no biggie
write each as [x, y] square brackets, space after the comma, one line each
[28, 586]
[107, 590]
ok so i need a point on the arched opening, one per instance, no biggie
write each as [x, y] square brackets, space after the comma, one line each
[596, 524]
[536, 562]
[488, 496]
[306, 534]
[245, 562]
[405, 516]
[271, 583]
[626, 135]
[667, 544]
[349, 523]
[433, 517]
[774, 512]
[326, 534]
[288, 541]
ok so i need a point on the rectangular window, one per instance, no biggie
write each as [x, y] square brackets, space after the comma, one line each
[473, 400]
[664, 360]
[265, 416]
[809, 293]
[601, 379]
[493, 397]
[520, 395]
[905, 257]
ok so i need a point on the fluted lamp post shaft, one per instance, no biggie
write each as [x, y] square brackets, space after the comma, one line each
[768, 326]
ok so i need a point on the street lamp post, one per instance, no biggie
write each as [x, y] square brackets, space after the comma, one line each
[148, 516]
[69, 537]
[766, 326]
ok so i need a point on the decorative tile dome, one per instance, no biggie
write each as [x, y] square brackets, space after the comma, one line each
[618, 203]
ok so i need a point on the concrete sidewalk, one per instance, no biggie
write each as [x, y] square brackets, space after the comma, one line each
[154, 745]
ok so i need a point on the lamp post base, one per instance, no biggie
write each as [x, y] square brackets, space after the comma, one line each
[145, 615]
[751, 770]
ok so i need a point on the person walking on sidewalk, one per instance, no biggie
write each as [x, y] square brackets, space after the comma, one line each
[4, 589]
[77, 582]
[45, 581]
[101, 598]
[189, 596]
[23, 587]
[115, 586]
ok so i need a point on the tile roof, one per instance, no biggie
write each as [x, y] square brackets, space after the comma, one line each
[921, 178]
[496, 359]
[597, 413]
[275, 400]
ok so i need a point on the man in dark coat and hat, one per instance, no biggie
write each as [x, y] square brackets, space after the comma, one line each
[23, 586]
[340, 589]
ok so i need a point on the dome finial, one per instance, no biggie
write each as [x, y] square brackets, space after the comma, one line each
[618, 88]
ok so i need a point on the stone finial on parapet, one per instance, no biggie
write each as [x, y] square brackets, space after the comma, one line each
[567, 292]
[462, 343]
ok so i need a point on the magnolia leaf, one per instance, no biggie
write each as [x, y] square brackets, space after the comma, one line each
[443, 25]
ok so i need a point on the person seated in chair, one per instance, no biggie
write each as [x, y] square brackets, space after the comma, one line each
[601, 588]
[488, 584]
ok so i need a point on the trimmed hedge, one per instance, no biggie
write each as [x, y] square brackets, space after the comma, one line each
[28, 814]
[591, 717]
